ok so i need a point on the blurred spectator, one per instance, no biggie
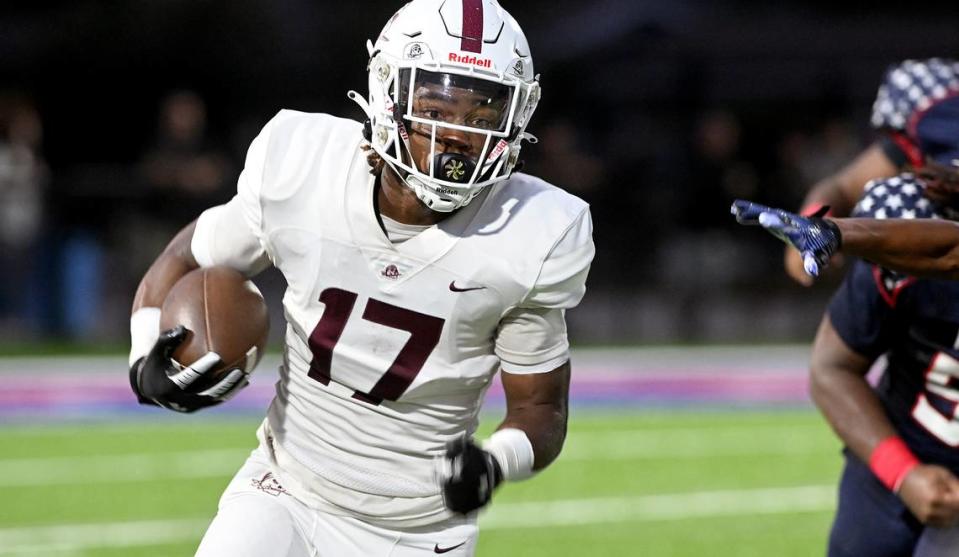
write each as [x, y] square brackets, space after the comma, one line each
[182, 173]
[717, 171]
[185, 170]
[562, 159]
[702, 258]
[831, 148]
[805, 159]
[23, 177]
[787, 176]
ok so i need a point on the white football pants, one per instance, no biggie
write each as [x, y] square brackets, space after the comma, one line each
[258, 518]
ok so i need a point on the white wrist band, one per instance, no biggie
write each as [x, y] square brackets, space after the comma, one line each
[513, 452]
[144, 331]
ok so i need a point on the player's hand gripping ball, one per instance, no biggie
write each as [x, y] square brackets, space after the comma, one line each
[816, 238]
[215, 328]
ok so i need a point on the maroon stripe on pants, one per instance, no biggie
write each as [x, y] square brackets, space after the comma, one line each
[472, 26]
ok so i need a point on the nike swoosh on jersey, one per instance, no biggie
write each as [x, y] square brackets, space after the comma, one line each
[455, 288]
[438, 549]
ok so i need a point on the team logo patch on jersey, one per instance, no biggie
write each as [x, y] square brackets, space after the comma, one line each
[890, 284]
[391, 272]
[268, 484]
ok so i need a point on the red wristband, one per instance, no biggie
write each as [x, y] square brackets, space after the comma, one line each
[891, 460]
[813, 208]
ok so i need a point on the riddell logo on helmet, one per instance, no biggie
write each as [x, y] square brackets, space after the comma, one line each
[467, 59]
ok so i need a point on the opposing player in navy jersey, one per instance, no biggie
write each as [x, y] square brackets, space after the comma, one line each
[899, 493]
[907, 89]
[902, 438]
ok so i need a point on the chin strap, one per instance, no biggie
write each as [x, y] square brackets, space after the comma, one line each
[418, 189]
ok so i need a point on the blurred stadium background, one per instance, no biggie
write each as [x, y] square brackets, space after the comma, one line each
[691, 431]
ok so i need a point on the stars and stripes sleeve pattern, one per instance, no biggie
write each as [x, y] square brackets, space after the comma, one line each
[899, 197]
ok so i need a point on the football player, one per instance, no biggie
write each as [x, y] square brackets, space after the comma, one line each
[899, 493]
[906, 91]
[902, 440]
[418, 265]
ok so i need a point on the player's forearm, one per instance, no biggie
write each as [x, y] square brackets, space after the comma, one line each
[916, 247]
[851, 408]
[545, 426]
[175, 261]
[829, 192]
[841, 191]
[537, 404]
[838, 386]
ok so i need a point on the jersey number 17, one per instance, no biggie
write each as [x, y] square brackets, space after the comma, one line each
[424, 332]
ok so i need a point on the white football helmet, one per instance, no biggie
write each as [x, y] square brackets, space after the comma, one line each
[442, 67]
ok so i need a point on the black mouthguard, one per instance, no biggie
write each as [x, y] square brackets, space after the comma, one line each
[453, 167]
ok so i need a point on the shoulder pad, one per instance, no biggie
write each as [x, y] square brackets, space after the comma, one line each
[899, 197]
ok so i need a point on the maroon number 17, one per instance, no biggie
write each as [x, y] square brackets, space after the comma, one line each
[424, 332]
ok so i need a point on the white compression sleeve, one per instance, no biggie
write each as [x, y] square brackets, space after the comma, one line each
[513, 451]
[144, 331]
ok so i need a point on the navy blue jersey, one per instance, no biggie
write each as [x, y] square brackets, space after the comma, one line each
[915, 323]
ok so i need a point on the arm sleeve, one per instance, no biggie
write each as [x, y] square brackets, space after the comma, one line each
[862, 311]
[532, 336]
[232, 234]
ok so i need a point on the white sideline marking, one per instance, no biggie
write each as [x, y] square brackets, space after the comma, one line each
[572, 512]
[138, 467]
[650, 508]
[697, 443]
[642, 444]
[68, 538]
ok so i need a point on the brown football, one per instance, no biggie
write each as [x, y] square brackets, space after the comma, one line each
[225, 313]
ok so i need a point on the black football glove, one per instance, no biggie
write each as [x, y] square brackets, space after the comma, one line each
[473, 474]
[158, 380]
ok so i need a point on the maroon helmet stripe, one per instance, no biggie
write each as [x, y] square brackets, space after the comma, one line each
[472, 26]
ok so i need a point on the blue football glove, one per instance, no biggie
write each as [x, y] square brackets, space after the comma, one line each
[816, 238]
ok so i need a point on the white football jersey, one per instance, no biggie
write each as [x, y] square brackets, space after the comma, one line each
[390, 348]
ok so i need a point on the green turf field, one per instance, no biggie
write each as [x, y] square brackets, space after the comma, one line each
[738, 483]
